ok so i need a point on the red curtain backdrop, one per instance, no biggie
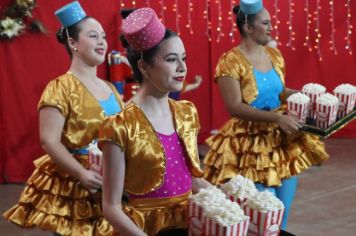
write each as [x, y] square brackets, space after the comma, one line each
[30, 61]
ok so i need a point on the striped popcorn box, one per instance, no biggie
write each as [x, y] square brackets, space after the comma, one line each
[346, 93]
[213, 228]
[325, 115]
[326, 110]
[313, 90]
[346, 104]
[311, 108]
[264, 223]
[196, 219]
[298, 106]
[298, 111]
[95, 157]
[237, 200]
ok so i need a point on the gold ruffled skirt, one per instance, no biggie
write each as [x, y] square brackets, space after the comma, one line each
[55, 201]
[154, 215]
[260, 151]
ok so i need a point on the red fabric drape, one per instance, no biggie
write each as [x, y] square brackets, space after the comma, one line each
[31, 60]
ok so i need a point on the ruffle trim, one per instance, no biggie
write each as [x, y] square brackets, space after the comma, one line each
[54, 201]
[153, 220]
[28, 217]
[48, 178]
[261, 152]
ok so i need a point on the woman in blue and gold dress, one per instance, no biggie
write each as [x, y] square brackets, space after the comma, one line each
[260, 142]
[60, 194]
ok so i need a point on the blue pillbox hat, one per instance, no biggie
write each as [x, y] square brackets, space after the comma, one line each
[70, 14]
[251, 6]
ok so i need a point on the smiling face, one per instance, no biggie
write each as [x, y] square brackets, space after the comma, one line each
[261, 29]
[168, 69]
[91, 44]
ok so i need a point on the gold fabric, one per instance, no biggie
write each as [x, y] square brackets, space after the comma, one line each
[235, 65]
[144, 154]
[68, 94]
[145, 162]
[53, 200]
[158, 214]
[260, 151]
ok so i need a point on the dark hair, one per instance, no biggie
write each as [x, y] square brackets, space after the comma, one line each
[241, 19]
[134, 56]
[125, 12]
[71, 31]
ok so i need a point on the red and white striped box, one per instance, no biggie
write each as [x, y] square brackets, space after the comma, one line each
[346, 103]
[212, 228]
[264, 223]
[95, 157]
[236, 199]
[298, 111]
[325, 115]
[196, 219]
[313, 96]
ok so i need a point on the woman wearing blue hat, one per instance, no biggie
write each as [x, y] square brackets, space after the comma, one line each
[59, 195]
[260, 142]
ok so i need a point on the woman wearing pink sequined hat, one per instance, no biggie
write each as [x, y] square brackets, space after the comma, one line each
[150, 148]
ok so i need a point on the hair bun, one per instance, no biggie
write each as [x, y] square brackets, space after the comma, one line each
[59, 36]
[236, 9]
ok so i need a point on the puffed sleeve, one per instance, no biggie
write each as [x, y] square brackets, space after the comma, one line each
[195, 116]
[113, 130]
[55, 95]
[228, 66]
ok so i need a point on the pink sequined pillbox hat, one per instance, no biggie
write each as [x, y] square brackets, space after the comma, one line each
[142, 29]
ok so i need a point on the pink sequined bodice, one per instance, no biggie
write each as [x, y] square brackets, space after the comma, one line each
[177, 179]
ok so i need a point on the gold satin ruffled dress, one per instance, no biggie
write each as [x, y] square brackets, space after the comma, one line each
[53, 200]
[145, 164]
[260, 151]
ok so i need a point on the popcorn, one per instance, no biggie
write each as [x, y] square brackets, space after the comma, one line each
[266, 213]
[226, 213]
[326, 110]
[265, 201]
[211, 213]
[198, 203]
[298, 106]
[239, 188]
[346, 93]
[313, 90]
[207, 196]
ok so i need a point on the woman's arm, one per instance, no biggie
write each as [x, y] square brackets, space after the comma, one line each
[288, 92]
[195, 85]
[231, 92]
[51, 127]
[113, 185]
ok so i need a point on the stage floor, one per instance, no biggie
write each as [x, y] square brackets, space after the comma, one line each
[325, 203]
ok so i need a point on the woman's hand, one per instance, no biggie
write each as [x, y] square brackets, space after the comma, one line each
[287, 124]
[91, 180]
[198, 80]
